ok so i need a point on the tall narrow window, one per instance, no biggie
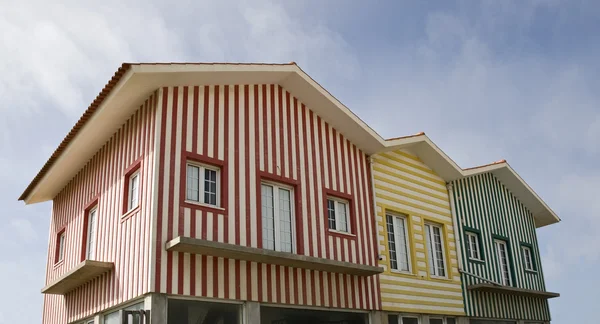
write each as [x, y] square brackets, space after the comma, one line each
[503, 262]
[277, 217]
[90, 247]
[60, 247]
[435, 247]
[202, 185]
[398, 242]
[472, 242]
[337, 213]
[528, 258]
[133, 193]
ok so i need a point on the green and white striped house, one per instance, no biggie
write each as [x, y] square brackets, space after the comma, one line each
[497, 214]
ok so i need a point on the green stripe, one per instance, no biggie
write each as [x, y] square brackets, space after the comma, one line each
[483, 203]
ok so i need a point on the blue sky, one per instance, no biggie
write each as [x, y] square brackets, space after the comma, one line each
[485, 80]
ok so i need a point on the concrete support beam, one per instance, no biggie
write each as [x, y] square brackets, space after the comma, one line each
[157, 304]
[251, 313]
[378, 317]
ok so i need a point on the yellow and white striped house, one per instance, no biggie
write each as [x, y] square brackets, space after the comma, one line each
[416, 241]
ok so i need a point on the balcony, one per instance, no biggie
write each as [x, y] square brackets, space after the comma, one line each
[82, 273]
[231, 251]
[488, 287]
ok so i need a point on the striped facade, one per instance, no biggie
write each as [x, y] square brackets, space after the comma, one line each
[404, 185]
[485, 206]
[255, 133]
[121, 238]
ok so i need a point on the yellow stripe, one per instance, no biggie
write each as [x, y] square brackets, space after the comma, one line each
[405, 194]
[418, 285]
[408, 179]
[404, 169]
[418, 293]
[420, 302]
[417, 206]
[413, 165]
[421, 311]
[410, 188]
[408, 155]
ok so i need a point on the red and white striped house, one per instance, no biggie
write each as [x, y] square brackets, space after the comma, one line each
[211, 193]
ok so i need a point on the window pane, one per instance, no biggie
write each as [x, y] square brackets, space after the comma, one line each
[192, 183]
[436, 255]
[285, 220]
[133, 191]
[450, 321]
[393, 319]
[401, 243]
[410, 320]
[391, 242]
[210, 187]
[436, 321]
[61, 246]
[331, 213]
[268, 217]
[91, 235]
[342, 217]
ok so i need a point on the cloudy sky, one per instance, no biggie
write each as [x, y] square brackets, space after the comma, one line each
[485, 80]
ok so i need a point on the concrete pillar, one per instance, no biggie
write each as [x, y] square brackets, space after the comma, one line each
[378, 317]
[157, 304]
[251, 313]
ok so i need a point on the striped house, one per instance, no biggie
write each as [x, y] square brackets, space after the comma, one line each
[207, 193]
[486, 266]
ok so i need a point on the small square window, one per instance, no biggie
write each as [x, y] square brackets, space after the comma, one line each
[337, 215]
[202, 184]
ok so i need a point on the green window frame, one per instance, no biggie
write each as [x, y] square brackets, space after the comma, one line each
[510, 256]
[523, 246]
[473, 231]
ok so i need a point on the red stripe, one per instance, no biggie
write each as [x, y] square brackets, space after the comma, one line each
[296, 288]
[286, 273]
[259, 274]
[182, 185]
[195, 120]
[269, 284]
[247, 162]
[289, 133]
[216, 122]
[205, 122]
[265, 135]
[331, 166]
[299, 228]
[204, 267]
[307, 176]
[335, 164]
[303, 286]
[273, 134]
[344, 181]
[281, 138]
[278, 283]
[313, 290]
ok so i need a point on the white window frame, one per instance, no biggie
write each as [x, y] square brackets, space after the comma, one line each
[475, 237]
[339, 201]
[276, 217]
[404, 218]
[497, 244]
[201, 179]
[92, 221]
[432, 257]
[526, 249]
[401, 318]
[135, 176]
[61, 246]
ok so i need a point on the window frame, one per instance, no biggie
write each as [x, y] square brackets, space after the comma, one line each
[470, 232]
[502, 241]
[401, 317]
[429, 246]
[407, 241]
[201, 180]
[276, 217]
[92, 207]
[135, 170]
[59, 253]
[529, 247]
[337, 201]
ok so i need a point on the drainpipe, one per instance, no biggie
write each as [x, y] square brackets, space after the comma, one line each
[457, 238]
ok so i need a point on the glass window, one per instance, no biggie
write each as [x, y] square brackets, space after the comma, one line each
[90, 252]
[436, 321]
[410, 320]
[337, 215]
[202, 184]
[473, 246]
[435, 247]
[134, 183]
[528, 258]
[503, 262]
[450, 320]
[113, 317]
[277, 217]
[60, 253]
[398, 242]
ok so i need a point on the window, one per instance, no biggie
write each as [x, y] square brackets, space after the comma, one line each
[113, 318]
[90, 249]
[60, 247]
[450, 320]
[398, 242]
[133, 194]
[435, 247]
[436, 320]
[337, 213]
[503, 262]
[528, 258]
[202, 185]
[277, 217]
[472, 242]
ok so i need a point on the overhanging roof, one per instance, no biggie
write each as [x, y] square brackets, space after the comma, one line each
[134, 82]
[488, 287]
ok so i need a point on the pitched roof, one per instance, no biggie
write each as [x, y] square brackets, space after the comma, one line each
[134, 82]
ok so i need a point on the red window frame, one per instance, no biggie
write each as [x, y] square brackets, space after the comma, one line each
[84, 232]
[133, 168]
[57, 246]
[217, 164]
[351, 213]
